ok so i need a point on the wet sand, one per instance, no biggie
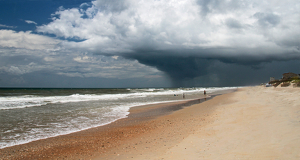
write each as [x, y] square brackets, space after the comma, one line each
[252, 123]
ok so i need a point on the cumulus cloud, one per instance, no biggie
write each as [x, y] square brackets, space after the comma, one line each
[184, 38]
[15, 70]
[21, 52]
[24, 53]
[127, 26]
[27, 40]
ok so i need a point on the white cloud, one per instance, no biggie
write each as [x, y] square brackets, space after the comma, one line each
[15, 70]
[26, 40]
[20, 61]
[127, 26]
[6, 26]
[30, 22]
[25, 52]
[49, 55]
[115, 57]
[82, 59]
[50, 59]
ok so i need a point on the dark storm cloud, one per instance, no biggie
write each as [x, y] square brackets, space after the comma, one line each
[234, 74]
[190, 70]
[198, 42]
[187, 71]
[177, 67]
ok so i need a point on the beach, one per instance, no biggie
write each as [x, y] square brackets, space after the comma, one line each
[251, 123]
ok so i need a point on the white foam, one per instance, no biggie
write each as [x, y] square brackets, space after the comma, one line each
[34, 101]
[62, 128]
[108, 115]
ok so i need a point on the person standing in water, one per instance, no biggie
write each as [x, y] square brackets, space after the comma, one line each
[204, 92]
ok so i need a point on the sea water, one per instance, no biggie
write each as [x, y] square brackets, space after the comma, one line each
[31, 114]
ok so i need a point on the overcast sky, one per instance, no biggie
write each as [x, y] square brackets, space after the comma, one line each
[147, 43]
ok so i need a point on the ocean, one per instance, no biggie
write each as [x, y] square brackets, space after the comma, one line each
[28, 114]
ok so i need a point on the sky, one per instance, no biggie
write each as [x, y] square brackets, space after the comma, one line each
[147, 43]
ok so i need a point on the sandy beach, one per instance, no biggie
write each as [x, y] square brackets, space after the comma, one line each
[251, 123]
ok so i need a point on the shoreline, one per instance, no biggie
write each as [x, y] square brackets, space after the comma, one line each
[189, 101]
[48, 148]
[250, 123]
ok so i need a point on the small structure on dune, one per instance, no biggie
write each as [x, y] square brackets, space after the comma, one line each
[272, 79]
[287, 79]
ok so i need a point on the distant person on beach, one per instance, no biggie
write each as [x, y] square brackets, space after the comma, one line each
[204, 92]
[183, 96]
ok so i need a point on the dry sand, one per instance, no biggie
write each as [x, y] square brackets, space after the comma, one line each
[252, 123]
[258, 123]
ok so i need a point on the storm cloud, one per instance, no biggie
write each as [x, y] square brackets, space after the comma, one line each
[197, 42]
